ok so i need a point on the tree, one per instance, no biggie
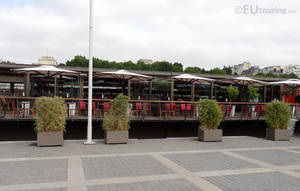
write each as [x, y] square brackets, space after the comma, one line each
[177, 67]
[217, 71]
[252, 93]
[232, 93]
[192, 70]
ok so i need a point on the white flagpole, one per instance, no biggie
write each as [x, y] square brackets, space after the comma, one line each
[90, 96]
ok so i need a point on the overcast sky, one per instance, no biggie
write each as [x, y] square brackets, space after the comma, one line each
[203, 33]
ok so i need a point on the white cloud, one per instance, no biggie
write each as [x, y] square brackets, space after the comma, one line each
[204, 33]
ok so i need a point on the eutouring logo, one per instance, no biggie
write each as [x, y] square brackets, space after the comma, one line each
[249, 9]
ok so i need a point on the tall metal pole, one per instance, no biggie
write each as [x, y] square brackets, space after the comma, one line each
[90, 96]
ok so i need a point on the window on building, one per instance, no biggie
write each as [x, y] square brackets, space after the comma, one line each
[19, 89]
[5, 88]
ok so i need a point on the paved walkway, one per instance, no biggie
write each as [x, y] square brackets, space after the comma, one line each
[238, 163]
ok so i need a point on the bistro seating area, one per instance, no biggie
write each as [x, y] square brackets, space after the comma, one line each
[153, 96]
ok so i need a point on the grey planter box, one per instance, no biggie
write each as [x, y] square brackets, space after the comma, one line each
[298, 112]
[116, 137]
[50, 138]
[210, 135]
[278, 134]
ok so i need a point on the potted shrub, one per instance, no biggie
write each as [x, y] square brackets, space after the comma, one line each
[278, 115]
[252, 93]
[116, 125]
[51, 114]
[210, 116]
[297, 101]
[232, 93]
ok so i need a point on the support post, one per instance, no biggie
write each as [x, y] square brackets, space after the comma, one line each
[193, 92]
[128, 89]
[27, 85]
[172, 90]
[81, 85]
[265, 94]
[150, 90]
[211, 90]
[90, 96]
[55, 86]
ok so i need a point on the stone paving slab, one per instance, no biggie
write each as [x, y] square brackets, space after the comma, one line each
[273, 181]
[50, 189]
[196, 162]
[29, 149]
[165, 185]
[38, 171]
[110, 167]
[274, 157]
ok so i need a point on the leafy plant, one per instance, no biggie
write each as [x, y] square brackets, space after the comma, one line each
[232, 93]
[51, 114]
[210, 114]
[252, 93]
[278, 115]
[118, 120]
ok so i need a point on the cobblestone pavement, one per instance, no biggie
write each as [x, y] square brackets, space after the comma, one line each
[237, 163]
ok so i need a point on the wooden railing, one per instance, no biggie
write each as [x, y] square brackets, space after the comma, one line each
[23, 108]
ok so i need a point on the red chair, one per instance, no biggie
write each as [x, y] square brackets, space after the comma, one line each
[137, 110]
[82, 107]
[147, 109]
[106, 108]
[228, 110]
[161, 110]
[94, 106]
[245, 111]
[262, 110]
[173, 109]
[15, 110]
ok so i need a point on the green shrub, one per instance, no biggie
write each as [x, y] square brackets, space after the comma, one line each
[51, 114]
[118, 120]
[210, 114]
[232, 93]
[278, 115]
[252, 93]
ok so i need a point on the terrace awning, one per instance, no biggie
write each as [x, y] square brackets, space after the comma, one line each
[246, 81]
[126, 75]
[189, 78]
[289, 82]
[47, 71]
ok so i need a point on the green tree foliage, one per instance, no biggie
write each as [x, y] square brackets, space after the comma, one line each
[118, 120]
[7, 62]
[194, 70]
[278, 115]
[210, 114]
[228, 70]
[197, 70]
[82, 61]
[252, 93]
[232, 92]
[51, 114]
[217, 71]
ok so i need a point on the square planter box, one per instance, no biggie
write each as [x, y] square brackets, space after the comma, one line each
[278, 134]
[50, 138]
[210, 135]
[116, 137]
